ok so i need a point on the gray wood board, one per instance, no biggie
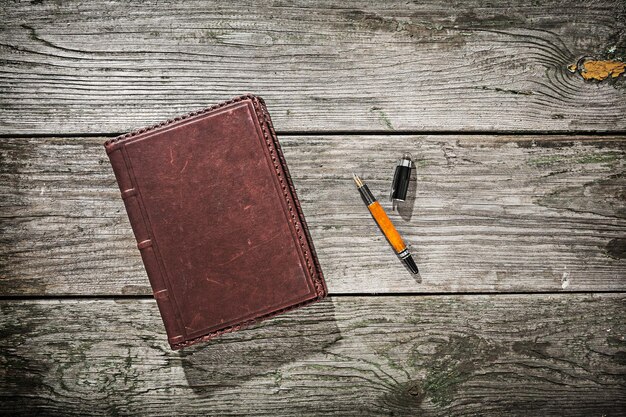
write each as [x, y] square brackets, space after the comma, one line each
[76, 66]
[489, 214]
[442, 355]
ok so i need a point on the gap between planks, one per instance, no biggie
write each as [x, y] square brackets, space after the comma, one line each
[565, 135]
[79, 297]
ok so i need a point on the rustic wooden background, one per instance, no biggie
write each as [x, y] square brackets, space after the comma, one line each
[518, 215]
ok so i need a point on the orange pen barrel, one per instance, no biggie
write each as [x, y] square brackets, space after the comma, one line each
[381, 217]
[387, 227]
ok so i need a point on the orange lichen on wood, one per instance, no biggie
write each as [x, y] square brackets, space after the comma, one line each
[601, 70]
[387, 227]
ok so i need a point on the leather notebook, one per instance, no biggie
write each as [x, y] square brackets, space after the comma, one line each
[217, 220]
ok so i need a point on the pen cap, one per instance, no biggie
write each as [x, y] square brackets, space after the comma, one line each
[401, 178]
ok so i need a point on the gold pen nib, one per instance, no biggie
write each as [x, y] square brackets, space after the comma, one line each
[357, 180]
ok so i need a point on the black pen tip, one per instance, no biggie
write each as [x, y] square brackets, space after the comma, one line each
[411, 265]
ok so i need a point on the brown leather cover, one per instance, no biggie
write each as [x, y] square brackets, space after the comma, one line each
[217, 221]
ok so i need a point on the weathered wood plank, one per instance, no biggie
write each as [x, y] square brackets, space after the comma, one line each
[82, 66]
[491, 214]
[443, 355]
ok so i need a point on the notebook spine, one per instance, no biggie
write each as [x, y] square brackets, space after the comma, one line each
[140, 225]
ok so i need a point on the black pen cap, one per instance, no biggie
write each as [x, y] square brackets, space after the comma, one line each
[401, 178]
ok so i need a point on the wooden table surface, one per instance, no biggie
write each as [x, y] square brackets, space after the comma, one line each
[517, 220]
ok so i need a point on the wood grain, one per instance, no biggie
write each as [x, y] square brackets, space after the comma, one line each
[82, 66]
[442, 355]
[489, 214]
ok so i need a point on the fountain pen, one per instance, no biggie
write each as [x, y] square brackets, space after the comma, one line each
[388, 229]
